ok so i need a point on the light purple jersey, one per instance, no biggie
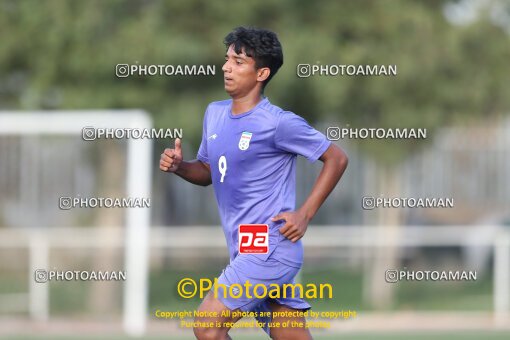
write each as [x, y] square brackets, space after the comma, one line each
[253, 163]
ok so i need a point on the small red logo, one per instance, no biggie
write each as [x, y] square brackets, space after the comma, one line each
[253, 238]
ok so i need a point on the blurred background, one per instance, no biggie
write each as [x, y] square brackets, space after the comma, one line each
[58, 57]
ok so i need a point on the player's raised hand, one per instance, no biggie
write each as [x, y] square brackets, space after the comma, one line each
[295, 225]
[171, 158]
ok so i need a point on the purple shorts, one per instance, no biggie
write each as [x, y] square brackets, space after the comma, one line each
[248, 267]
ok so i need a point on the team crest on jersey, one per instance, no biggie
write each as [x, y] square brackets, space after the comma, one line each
[244, 142]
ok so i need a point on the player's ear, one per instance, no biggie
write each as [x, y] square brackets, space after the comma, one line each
[263, 73]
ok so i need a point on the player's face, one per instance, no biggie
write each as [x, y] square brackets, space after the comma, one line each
[240, 74]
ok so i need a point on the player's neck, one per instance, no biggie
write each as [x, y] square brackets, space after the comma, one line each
[246, 103]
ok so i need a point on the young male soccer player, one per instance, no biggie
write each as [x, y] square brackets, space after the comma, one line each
[248, 152]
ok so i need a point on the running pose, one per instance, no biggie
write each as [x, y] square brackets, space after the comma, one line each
[248, 152]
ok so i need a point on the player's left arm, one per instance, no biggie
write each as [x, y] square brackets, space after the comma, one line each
[296, 222]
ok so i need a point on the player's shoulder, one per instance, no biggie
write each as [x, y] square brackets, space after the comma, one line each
[277, 112]
[217, 109]
[281, 115]
[280, 118]
[220, 104]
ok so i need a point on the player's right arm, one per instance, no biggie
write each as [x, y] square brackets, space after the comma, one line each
[195, 171]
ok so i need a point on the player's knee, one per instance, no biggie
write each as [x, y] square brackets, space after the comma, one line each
[209, 333]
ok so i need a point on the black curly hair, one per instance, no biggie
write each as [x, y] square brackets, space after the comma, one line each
[260, 44]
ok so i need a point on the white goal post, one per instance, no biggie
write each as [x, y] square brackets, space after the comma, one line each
[139, 151]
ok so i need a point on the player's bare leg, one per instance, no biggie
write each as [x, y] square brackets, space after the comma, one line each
[294, 333]
[222, 324]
